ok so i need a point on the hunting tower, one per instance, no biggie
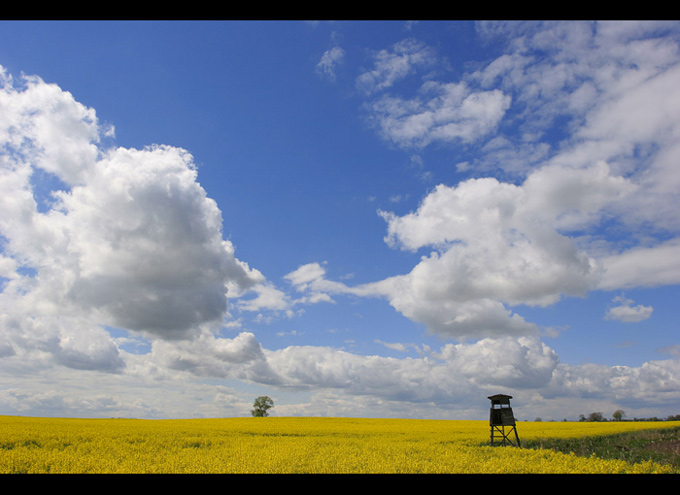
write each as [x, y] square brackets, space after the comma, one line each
[501, 416]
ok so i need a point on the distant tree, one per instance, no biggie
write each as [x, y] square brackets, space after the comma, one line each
[595, 416]
[618, 415]
[261, 406]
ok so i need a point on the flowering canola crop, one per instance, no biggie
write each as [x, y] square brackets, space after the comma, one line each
[295, 445]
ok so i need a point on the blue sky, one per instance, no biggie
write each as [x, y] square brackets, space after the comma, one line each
[356, 218]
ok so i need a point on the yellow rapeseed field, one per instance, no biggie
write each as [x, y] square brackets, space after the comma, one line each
[294, 445]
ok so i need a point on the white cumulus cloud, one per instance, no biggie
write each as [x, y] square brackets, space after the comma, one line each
[96, 238]
[495, 244]
[626, 312]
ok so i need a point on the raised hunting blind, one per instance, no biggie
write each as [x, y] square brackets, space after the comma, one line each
[500, 418]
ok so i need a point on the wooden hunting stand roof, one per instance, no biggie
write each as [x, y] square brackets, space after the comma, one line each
[500, 398]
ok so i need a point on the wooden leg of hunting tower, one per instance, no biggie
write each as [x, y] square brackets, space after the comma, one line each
[505, 436]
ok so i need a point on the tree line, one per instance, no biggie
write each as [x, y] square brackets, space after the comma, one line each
[619, 415]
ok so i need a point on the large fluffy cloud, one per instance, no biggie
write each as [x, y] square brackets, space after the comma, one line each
[499, 244]
[105, 237]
